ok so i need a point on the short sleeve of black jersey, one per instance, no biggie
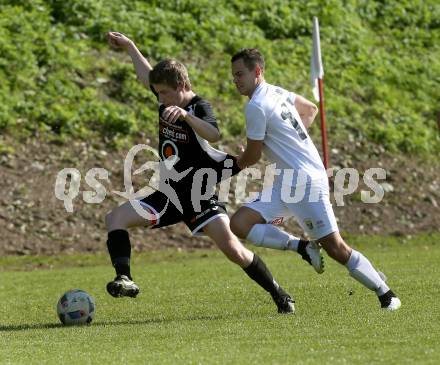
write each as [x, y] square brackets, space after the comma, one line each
[203, 110]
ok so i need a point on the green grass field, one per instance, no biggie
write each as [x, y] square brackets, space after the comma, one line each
[197, 308]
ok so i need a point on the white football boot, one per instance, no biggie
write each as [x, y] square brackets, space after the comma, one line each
[389, 301]
[310, 251]
[122, 286]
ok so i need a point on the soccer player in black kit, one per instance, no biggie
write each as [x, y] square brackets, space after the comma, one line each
[186, 126]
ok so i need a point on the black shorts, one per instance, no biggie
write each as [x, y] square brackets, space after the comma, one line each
[167, 214]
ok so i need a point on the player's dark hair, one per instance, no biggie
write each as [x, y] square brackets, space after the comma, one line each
[251, 57]
[171, 73]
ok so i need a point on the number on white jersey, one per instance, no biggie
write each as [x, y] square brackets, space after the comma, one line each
[287, 114]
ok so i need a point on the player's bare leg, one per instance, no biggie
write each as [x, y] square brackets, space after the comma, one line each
[360, 269]
[219, 231]
[243, 220]
[118, 243]
[123, 217]
[248, 223]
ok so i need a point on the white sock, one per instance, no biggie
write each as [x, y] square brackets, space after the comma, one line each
[361, 269]
[267, 235]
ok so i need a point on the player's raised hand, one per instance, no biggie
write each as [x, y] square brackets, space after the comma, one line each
[118, 40]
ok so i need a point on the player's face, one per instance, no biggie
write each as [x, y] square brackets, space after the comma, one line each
[169, 96]
[245, 80]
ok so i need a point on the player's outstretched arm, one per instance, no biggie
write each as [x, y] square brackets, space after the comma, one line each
[306, 109]
[141, 65]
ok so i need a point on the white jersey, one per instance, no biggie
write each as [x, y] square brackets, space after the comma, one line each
[271, 116]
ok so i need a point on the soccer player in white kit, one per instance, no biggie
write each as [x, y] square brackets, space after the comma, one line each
[276, 123]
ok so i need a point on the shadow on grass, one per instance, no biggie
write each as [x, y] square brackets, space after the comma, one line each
[26, 327]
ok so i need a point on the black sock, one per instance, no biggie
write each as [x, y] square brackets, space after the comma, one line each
[119, 248]
[259, 272]
[302, 250]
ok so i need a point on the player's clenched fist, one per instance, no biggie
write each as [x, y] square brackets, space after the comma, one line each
[172, 113]
[118, 40]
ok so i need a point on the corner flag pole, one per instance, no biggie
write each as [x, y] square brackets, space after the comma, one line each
[317, 79]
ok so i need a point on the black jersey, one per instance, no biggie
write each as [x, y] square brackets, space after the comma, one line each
[179, 141]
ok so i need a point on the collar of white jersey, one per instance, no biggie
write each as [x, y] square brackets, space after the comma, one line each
[258, 89]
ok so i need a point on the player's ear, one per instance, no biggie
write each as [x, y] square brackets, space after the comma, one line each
[258, 70]
[181, 86]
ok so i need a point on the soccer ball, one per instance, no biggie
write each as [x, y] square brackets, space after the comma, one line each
[76, 307]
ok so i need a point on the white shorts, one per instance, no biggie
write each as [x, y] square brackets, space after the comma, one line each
[309, 204]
